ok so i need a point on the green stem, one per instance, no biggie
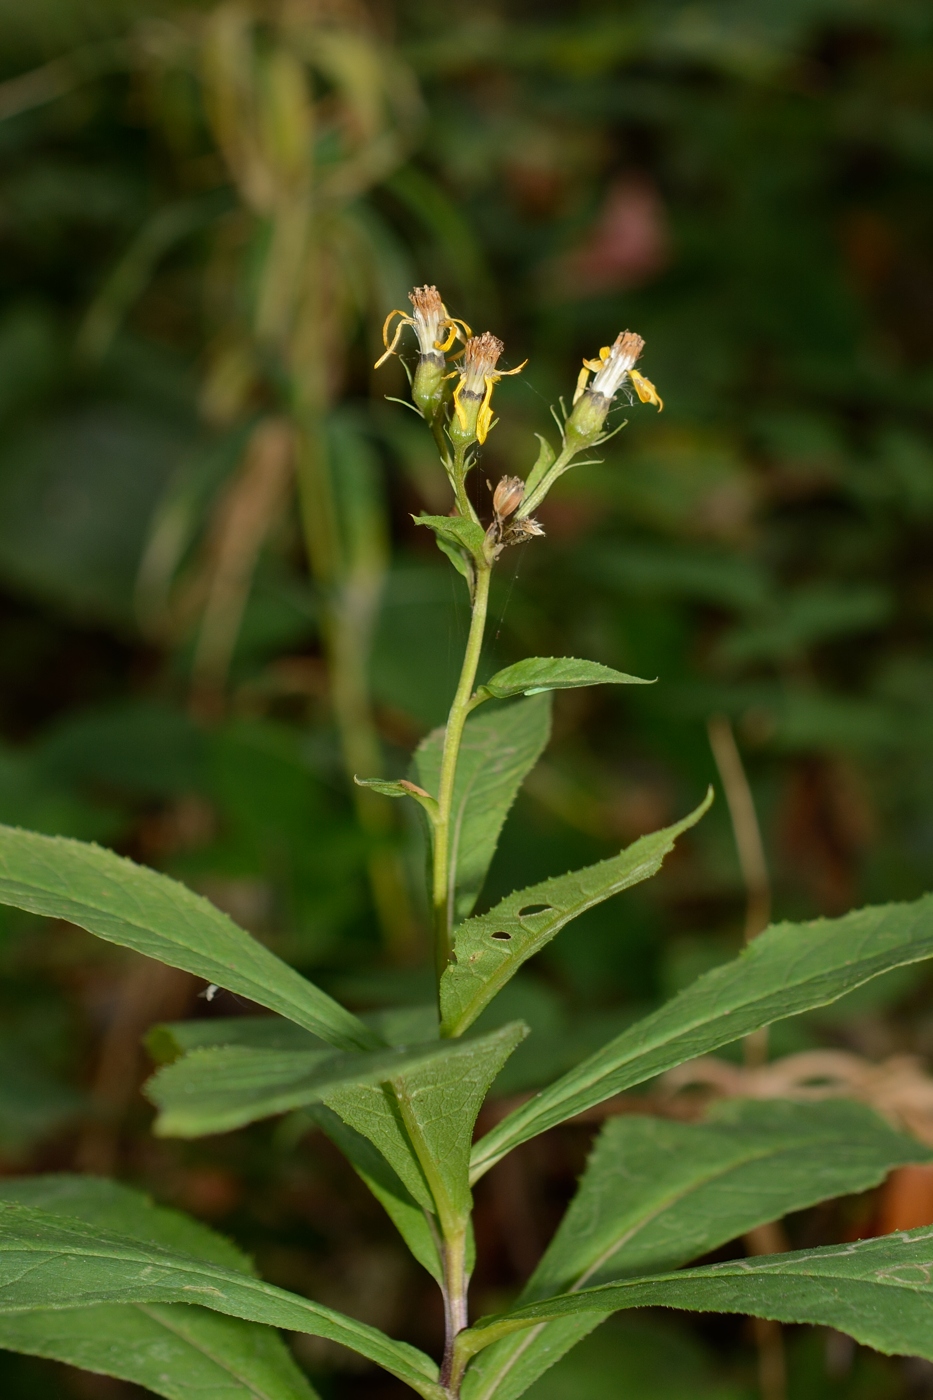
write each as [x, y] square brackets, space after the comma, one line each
[443, 884]
[458, 481]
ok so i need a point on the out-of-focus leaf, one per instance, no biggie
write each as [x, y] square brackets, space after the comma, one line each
[499, 749]
[490, 948]
[167, 1042]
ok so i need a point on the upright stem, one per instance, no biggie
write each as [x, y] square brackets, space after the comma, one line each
[443, 882]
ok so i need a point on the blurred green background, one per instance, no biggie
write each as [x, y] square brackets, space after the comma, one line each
[213, 602]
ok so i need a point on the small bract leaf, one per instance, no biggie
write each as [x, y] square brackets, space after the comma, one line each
[499, 749]
[539, 673]
[402, 788]
[490, 948]
[456, 530]
[788, 969]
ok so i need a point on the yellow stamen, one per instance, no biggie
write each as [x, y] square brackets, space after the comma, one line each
[645, 389]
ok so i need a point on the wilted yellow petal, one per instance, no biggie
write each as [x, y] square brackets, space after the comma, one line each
[645, 389]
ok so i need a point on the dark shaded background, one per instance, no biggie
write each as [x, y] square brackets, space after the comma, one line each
[749, 187]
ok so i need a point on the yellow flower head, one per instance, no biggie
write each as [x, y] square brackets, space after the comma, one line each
[435, 329]
[473, 394]
[616, 364]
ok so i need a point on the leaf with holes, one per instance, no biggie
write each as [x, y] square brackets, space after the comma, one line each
[50, 1261]
[499, 749]
[173, 1349]
[128, 904]
[656, 1194]
[788, 969]
[540, 673]
[489, 949]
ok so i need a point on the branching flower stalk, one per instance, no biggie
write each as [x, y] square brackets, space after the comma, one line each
[460, 420]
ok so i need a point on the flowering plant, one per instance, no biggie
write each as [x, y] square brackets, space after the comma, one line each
[93, 1273]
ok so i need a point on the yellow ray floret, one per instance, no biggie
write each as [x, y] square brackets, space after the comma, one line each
[645, 389]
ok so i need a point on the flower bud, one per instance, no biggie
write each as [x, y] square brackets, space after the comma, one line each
[507, 497]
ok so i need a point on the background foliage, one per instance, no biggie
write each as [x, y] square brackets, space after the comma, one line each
[749, 188]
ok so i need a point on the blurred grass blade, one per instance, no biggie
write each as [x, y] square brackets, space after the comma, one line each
[51, 1261]
[131, 905]
[491, 948]
[657, 1194]
[537, 673]
[499, 749]
[171, 1349]
[788, 969]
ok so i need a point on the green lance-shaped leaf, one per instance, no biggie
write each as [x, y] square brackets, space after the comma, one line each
[173, 1350]
[788, 969]
[457, 532]
[52, 1261]
[656, 1194]
[489, 949]
[226, 1086]
[499, 749]
[539, 673]
[423, 1122]
[879, 1291]
[138, 908]
[403, 1210]
[172, 1039]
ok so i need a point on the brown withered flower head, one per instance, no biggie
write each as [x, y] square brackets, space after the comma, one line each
[592, 401]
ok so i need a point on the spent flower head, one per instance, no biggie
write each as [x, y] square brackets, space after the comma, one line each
[592, 401]
[472, 397]
[436, 330]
